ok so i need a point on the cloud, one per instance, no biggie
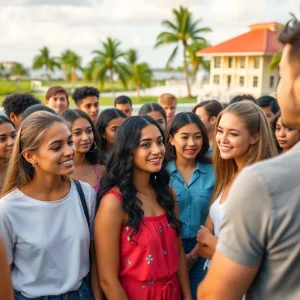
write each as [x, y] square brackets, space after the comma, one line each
[27, 25]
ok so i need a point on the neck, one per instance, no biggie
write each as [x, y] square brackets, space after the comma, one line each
[79, 159]
[185, 163]
[46, 183]
[3, 163]
[141, 181]
[108, 147]
[211, 136]
[285, 150]
[240, 162]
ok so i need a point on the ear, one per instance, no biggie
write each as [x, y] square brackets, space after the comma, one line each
[171, 141]
[13, 117]
[213, 120]
[46, 101]
[77, 107]
[255, 138]
[29, 157]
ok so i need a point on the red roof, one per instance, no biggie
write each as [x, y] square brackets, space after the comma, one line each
[262, 38]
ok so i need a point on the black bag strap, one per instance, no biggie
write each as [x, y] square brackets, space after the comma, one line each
[86, 213]
[83, 201]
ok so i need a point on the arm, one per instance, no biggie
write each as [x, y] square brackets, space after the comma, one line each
[242, 241]
[108, 224]
[206, 240]
[101, 171]
[233, 284]
[183, 274]
[95, 285]
[6, 291]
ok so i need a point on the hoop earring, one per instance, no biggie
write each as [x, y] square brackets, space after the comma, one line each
[95, 147]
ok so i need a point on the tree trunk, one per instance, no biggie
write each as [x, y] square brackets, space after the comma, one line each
[47, 77]
[185, 69]
[138, 91]
[112, 83]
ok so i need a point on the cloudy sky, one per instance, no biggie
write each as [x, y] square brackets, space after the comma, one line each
[28, 25]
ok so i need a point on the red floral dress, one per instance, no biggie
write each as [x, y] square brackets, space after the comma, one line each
[149, 261]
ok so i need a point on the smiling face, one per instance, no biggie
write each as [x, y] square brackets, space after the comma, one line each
[150, 153]
[59, 103]
[286, 137]
[7, 140]
[90, 105]
[188, 142]
[83, 136]
[233, 138]
[158, 117]
[110, 130]
[55, 154]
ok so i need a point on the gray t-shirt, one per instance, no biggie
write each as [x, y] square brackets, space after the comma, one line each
[261, 225]
[48, 242]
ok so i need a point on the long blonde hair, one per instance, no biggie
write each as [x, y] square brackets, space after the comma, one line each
[255, 121]
[29, 138]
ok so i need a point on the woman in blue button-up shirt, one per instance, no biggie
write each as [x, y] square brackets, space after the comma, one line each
[192, 179]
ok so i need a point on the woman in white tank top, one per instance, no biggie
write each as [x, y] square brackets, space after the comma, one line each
[241, 132]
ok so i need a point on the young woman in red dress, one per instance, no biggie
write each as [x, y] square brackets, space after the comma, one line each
[137, 232]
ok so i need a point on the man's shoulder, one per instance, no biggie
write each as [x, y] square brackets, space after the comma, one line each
[279, 172]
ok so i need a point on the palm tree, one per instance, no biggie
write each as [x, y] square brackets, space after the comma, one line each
[2, 70]
[70, 62]
[181, 31]
[141, 77]
[18, 70]
[132, 56]
[44, 60]
[197, 61]
[109, 59]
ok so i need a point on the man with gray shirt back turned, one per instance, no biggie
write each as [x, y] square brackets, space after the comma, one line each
[258, 252]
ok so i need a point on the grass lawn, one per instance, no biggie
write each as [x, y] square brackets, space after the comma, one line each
[8, 86]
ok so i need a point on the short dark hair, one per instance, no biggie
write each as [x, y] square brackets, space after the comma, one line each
[180, 120]
[81, 93]
[95, 155]
[37, 107]
[212, 107]
[102, 121]
[17, 103]
[291, 35]
[266, 101]
[53, 90]
[123, 100]
[240, 98]
[149, 107]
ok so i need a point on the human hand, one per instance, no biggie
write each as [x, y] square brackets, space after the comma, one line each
[203, 232]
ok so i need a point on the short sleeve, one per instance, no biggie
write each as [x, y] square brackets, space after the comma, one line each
[247, 215]
[7, 233]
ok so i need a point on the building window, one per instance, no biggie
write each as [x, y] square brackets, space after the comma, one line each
[228, 80]
[217, 62]
[256, 62]
[271, 81]
[216, 79]
[242, 62]
[229, 62]
[242, 80]
[255, 81]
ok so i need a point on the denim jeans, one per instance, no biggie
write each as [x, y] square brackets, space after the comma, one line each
[83, 293]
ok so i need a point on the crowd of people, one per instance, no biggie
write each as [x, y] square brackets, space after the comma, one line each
[106, 205]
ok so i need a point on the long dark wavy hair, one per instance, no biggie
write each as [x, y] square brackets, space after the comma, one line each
[120, 166]
[95, 155]
[180, 120]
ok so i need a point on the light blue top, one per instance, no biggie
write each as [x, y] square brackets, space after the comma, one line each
[193, 199]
